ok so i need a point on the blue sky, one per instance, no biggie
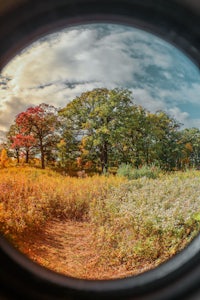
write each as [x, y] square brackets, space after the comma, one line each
[61, 66]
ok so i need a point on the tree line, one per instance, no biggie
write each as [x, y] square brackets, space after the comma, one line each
[100, 130]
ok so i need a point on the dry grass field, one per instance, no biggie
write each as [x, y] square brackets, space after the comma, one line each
[98, 227]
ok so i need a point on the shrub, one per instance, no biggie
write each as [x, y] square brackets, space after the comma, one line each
[126, 170]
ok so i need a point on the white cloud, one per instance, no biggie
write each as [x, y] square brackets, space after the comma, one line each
[189, 94]
[60, 67]
[181, 116]
[143, 97]
[9, 110]
[76, 56]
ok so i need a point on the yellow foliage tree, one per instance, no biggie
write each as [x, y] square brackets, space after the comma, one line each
[4, 158]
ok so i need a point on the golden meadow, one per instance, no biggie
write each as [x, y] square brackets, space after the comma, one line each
[140, 219]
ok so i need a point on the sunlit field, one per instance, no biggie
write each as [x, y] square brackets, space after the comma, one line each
[30, 196]
[136, 224]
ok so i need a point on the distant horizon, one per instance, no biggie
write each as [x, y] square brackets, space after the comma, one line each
[61, 66]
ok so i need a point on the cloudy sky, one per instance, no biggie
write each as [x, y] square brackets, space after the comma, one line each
[61, 66]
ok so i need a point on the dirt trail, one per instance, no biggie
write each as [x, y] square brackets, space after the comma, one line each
[68, 247]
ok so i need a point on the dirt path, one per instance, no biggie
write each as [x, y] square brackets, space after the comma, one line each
[68, 247]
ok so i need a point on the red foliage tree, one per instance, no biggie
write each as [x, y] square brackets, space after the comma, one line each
[41, 123]
[26, 142]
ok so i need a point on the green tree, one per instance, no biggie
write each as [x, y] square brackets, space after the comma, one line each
[130, 147]
[167, 140]
[109, 130]
[97, 120]
[191, 140]
[149, 138]
[68, 151]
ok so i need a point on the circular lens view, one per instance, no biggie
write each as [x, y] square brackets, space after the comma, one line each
[100, 151]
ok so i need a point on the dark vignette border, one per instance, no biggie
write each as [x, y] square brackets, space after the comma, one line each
[23, 22]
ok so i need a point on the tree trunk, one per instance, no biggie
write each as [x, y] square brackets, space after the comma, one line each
[137, 159]
[17, 155]
[104, 158]
[27, 156]
[42, 159]
[42, 155]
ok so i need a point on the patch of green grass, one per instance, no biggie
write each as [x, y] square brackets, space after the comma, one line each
[126, 170]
